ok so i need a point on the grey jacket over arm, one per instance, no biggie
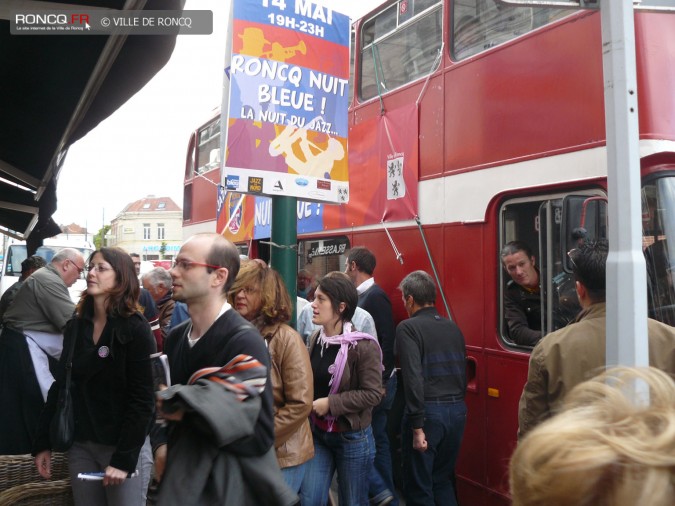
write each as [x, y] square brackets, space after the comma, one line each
[200, 469]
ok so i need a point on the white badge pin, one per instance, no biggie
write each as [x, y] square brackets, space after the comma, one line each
[103, 351]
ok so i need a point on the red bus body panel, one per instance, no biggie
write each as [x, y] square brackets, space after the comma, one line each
[538, 96]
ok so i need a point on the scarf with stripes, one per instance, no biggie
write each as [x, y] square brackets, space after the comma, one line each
[244, 376]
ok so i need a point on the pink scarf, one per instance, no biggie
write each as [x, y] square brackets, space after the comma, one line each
[348, 339]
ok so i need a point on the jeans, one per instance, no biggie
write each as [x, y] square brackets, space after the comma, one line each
[380, 479]
[87, 457]
[429, 477]
[294, 475]
[351, 454]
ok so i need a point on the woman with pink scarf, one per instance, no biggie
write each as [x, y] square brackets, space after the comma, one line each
[347, 371]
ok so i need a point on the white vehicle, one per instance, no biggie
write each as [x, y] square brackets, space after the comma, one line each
[16, 253]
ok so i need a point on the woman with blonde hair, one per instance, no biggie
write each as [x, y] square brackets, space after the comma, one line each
[604, 448]
[260, 296]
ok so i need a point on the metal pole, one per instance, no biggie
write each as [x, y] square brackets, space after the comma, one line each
[284, 255]
[627, 303]
[433, 268]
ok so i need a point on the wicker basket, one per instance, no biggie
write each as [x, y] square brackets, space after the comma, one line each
[21, 484]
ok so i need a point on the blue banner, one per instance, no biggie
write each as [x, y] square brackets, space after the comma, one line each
[280, 93]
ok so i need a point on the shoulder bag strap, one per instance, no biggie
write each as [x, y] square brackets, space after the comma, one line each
[69, 363]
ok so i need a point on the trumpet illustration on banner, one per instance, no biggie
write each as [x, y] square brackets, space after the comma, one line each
[254, 43]
[281, 53]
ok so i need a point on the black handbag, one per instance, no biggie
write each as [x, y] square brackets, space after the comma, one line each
[62, 426]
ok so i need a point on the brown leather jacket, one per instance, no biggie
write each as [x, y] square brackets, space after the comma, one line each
[293, 394]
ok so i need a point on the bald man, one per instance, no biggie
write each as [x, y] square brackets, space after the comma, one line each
[210, 427]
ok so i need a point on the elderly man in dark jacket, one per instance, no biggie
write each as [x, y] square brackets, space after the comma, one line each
[432, 355]
[158, 284]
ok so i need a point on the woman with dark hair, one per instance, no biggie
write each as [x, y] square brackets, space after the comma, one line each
[347, 370]
[260, 296]
[112, 387]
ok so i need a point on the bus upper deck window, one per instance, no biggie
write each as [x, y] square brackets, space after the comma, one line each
[468, 38]
[399, 45]
[478, 25]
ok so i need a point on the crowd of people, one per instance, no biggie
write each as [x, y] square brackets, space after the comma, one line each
[257, 412]
[254, 412]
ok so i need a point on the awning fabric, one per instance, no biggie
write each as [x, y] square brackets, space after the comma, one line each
[46, 104]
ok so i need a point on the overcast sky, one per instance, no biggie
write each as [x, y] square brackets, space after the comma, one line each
[140, 150]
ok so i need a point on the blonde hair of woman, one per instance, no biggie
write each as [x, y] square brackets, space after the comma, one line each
[603, 448]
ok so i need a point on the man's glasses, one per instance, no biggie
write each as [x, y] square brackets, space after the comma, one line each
[186, 265]
[100, 268]
[80, 270]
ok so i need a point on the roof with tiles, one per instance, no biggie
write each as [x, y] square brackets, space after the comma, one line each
[73, 228]
[151, 204]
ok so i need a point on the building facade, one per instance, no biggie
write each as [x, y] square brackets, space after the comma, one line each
[151, 227]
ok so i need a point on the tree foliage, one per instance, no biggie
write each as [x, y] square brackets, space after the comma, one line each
[99, 238]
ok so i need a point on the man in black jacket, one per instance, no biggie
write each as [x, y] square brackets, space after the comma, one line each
[360, 266]
[432, 356]
[217, 441]
[522, 298]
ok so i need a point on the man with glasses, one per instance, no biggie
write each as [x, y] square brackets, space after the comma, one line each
[215, 433]
[31, 341]
[576, 353]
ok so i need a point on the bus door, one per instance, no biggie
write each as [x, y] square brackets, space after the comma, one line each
[551, 226]
[565, 223]
[540, 222]
[658, 225]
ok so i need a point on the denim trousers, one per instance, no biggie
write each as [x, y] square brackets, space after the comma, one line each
[351, 454]
[88, 457]
[429, 477]
[294, 475]
[381, 479]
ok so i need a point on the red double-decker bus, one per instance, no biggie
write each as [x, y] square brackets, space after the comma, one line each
[495, 115]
